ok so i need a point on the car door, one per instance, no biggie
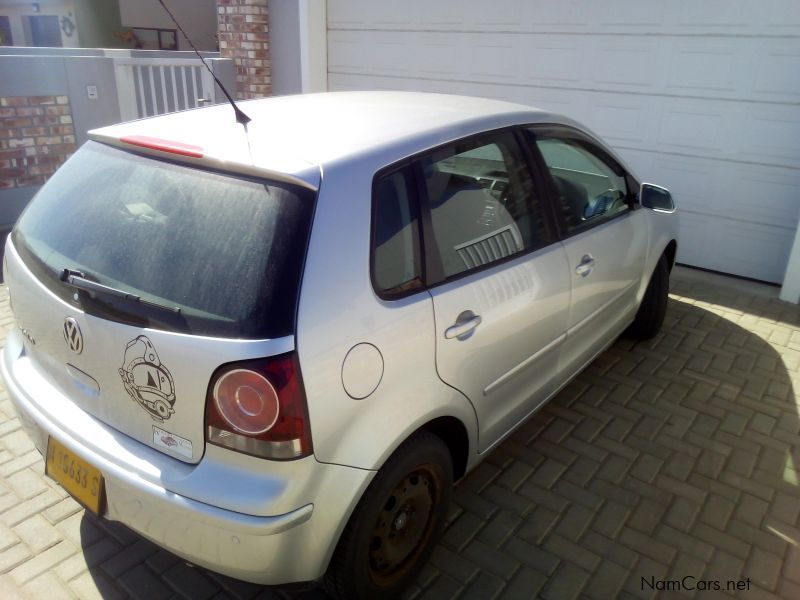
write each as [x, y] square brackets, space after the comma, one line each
[499, 279]
[605, 238]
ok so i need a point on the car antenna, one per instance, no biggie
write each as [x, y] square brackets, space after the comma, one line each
[240, 116]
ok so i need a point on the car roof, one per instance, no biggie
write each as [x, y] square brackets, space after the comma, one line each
[296, 136]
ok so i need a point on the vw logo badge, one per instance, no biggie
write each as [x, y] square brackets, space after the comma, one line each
[72, 335]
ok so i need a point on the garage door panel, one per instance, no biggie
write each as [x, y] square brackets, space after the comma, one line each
[773, 63]
[622, 66]
[552, 60]
[556, 100]
[772, 136]
[765, 196]
[344, 51]
[493, 60]
[690, 181]
[717, 69]
[754, 251]
[694, 128]
[368, 14]
[502, 15]
[781, 17]
[351, 81]
[744, 132]
[713, 15]
[619, 121]
[749, 193]
[729, 17]
[440, 55]
[699, 96]
[564, 102]
[740, 132]
[706, 67]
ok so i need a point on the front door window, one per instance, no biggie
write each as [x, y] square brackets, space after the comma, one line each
[590, 188]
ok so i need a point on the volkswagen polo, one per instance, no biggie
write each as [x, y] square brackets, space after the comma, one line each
[272, 348]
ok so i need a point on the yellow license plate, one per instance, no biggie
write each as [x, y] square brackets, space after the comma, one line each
[83, 481]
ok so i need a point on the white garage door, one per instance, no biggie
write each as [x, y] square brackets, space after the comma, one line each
[702, 97]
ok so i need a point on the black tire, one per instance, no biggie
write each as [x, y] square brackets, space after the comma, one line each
[398, 520]
[651, 312]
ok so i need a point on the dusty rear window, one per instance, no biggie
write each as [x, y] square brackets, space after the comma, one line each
[210, 253]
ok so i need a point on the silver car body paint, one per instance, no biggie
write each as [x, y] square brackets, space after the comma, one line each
[107, 353]
[251, 518]
[228, 513]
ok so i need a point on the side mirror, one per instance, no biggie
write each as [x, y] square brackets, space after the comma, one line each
[656, 197]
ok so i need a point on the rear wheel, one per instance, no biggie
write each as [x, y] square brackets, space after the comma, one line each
[651, 312]
[396, 524]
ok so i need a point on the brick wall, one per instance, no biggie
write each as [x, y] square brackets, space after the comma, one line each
[244, 37]
[36, 137]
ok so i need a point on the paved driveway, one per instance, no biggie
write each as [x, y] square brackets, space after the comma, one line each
[665, 460]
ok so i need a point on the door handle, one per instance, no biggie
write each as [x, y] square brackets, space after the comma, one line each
[466, 322]
[586, 265]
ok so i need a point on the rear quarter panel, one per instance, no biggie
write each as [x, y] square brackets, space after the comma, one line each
[338, 309]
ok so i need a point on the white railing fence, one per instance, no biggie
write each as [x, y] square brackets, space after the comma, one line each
[154, 86]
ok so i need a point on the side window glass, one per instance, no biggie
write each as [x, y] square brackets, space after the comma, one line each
[483, 204]
[396, 260]
[590, 187]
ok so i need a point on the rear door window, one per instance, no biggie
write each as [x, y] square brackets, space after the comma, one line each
[484, 204]
[223, 253]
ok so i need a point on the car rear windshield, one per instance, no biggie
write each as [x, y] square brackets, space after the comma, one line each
[207, 253]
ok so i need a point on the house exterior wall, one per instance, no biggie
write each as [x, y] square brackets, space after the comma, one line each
[36, 137]
[95, 21]
[244, 37]
[35, 91]
[285, 42]
[197, 17]
[98, 23]
[18, 13]
[298, 35]
[30, 78]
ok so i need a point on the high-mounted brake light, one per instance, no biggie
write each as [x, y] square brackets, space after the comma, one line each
[154, 143]
[259, 407]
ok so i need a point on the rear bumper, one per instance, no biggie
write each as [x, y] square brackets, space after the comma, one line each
[295, 510]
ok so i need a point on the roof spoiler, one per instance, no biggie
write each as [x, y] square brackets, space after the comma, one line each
[308, 179]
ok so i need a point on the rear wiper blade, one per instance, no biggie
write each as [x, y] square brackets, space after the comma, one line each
[78, 280]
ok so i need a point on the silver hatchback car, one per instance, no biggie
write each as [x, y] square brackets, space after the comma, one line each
[272, 349]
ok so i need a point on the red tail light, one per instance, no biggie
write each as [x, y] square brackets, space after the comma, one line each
[259, 407]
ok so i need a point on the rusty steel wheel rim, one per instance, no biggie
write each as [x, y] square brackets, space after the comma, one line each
[404, 525]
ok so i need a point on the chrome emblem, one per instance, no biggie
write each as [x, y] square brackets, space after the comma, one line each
[72, 335]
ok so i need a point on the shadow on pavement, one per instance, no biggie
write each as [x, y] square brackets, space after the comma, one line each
[671, 458]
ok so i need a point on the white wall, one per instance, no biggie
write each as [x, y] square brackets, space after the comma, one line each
[313, 22]
[197, 17]
[18, 11]
[791, 283]
[298, 46]
[97, 22]
[284, 43]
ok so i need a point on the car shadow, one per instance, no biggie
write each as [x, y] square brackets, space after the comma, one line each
[674, 457]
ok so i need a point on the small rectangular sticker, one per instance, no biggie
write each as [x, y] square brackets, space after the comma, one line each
[172, 442]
